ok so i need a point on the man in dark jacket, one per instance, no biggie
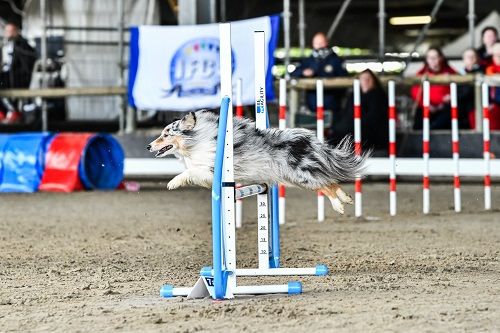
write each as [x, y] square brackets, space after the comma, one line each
[323, 63]
[17, 60]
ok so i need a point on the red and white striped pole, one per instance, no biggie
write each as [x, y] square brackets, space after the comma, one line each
[425, 147]
[455, 147]
[239, 97]
[358, 209]
[486, 146]
[320, 127]
[392, 148]
[282, 126]
[239, 114]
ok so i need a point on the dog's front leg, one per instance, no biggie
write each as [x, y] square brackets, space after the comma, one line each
[192, 176]
[201, 176]
[181, 179]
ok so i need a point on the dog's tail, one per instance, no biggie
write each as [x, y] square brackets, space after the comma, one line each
[346, 165]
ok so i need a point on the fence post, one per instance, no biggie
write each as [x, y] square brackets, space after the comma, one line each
[43, 51]
[294, 104]
[123, 112]
[478, 114]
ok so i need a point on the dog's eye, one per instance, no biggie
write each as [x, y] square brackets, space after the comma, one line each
[165, 135]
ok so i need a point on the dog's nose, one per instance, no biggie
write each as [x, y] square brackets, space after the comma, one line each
[148, 147]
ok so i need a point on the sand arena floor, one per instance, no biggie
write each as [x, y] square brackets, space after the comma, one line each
[89, 262]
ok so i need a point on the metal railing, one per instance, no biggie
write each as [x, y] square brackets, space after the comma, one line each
[297, 85]
[294, 85]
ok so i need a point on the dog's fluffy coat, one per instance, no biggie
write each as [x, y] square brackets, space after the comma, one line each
[292, 157]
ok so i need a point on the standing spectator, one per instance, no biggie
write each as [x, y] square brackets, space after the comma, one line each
[440, 117]
[465, 92]
[489, 36]
[494, 69]
[17, 61]
[322, 63]
[472, 62]
[374, 117]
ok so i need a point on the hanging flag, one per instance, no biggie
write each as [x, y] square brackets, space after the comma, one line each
[176, 68]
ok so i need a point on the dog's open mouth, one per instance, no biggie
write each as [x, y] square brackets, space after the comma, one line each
[163, 150]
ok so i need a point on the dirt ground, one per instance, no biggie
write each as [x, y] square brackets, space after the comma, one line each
[89, 262]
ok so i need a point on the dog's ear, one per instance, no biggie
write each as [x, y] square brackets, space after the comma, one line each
[188, 122]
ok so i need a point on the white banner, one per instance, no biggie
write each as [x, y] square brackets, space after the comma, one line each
[176, 68]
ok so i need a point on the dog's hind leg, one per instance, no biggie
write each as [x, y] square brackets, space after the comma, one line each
[337, 197]
[344, 197]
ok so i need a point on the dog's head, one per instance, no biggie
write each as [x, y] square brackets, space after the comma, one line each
[171, 139]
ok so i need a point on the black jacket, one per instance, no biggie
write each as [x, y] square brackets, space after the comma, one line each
[23, 60]
[466, 99]
[374, 120]
[326, 64]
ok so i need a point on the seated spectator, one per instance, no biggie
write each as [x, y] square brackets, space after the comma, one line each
[374, 114]
[465, 92]
[17, 61]
[494, 69]
[440, 117]
[322, 63]
[489, 36]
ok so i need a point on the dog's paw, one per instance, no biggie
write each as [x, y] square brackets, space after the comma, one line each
[337, 205]
[344, 197]
[175, 183]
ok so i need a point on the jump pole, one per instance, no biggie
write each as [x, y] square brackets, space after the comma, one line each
[486, 146]
[228, 186]
[455, 148]
[425, 147]
[320, 129]
[282, 126]
[392, 148]
[261, 123]
[239, 114]
[358, 208]
[239, 98]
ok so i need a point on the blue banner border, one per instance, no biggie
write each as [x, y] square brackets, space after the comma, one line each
[133, 63]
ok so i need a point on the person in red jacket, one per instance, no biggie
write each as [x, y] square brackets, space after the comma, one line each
[494, 69]
[440, 117]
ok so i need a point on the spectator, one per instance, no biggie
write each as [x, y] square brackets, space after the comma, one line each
[494, 69]
[322, 63]
[374, 114]
[465, 92]
[472, 62]
[440, 117]
[17, 61]
[489, 36]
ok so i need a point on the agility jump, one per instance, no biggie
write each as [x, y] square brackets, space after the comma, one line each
[220, 280]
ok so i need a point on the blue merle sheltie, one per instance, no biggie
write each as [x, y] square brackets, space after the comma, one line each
[293, 157]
